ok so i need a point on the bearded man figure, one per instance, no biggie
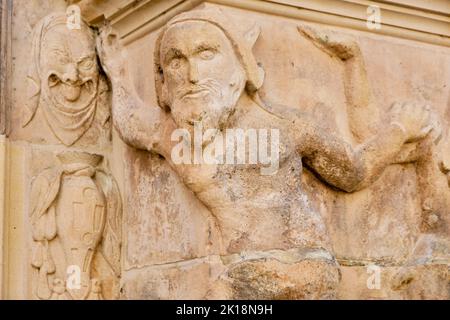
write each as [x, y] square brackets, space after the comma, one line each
[275, 244]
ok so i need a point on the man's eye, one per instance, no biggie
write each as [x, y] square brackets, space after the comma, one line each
[175, 63]
[86, 64]
[207, 54]
[53, 80]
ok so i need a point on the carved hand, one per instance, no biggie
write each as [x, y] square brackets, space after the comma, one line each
[413, 119]
[111, 53]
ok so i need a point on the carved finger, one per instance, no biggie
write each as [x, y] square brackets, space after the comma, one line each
[426, 130]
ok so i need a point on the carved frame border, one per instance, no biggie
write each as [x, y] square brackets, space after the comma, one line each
[5, 101]
[5, 63]
[420, 20]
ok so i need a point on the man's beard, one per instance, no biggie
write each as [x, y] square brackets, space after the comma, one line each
[208, 103]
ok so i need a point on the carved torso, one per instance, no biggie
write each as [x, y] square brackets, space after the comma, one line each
[255, 211]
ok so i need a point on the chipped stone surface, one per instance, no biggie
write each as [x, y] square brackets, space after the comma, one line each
[357, 208]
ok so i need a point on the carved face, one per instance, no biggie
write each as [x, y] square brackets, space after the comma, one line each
[69, 68]
[203, 77]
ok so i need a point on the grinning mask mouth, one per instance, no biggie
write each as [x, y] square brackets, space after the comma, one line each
[68, 91]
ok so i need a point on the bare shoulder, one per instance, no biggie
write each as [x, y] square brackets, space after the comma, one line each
[290, 116]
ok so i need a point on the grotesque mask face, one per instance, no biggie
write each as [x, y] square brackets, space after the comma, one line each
[69, 68]
[203, 78]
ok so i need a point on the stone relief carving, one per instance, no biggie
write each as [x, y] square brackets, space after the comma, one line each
[430, 156]
[430, 255]
[364, 116]
[75, 217]
[64, 80]
[5, 64]
[206, 73]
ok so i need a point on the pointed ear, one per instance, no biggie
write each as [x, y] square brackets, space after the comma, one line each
[252, 35]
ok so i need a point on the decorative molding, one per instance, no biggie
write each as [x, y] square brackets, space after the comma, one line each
[425, 21]
[3, 213]
[134, 19]
[5, 63]
[435, 6]
[391, 15]
[396, 21]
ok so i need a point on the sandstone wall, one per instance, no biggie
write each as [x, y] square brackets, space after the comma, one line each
[169, 243]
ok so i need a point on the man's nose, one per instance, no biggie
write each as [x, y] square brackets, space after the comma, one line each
[193, 72]
[71, 74]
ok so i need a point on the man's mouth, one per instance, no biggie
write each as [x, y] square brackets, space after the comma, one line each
[195, 93]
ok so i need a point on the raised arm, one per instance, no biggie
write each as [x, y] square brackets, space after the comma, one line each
[138, 124]
[351, 169]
